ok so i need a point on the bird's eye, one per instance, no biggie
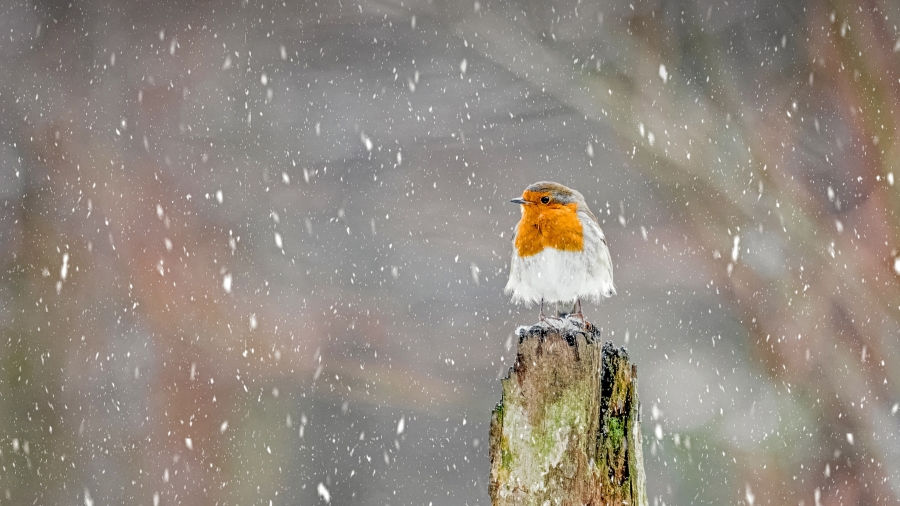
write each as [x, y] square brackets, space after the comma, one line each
[545, 200]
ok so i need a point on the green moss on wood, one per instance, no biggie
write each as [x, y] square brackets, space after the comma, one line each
[565, 429]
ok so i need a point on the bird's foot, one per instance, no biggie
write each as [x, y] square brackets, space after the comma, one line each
[584, 323]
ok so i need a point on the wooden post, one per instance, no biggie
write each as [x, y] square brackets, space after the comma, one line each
[568, 429]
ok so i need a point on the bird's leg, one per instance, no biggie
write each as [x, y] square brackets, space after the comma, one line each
[542, 309]
[577, 310]
[557, 310]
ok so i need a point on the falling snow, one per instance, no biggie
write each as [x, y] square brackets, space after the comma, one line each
[255, 253]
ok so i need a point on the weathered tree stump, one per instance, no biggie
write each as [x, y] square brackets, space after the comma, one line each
[568, 429]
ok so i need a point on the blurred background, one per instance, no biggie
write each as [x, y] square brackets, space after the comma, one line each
[253, 252]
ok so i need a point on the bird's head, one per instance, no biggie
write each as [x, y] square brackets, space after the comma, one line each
[549, 195]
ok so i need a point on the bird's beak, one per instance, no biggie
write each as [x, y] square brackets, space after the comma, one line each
[519, 201]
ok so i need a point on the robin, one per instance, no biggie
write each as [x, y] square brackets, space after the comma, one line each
[559, 251]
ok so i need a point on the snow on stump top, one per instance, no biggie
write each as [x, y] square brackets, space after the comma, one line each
[568, 429]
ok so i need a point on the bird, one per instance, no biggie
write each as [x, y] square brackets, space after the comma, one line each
[560, 253]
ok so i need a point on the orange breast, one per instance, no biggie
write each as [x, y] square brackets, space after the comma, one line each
[553, 226]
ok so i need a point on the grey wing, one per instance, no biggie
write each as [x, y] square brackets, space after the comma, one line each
[596, 222]
[586, 210]
[601, 249]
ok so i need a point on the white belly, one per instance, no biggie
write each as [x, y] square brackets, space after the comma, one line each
[554, 275]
